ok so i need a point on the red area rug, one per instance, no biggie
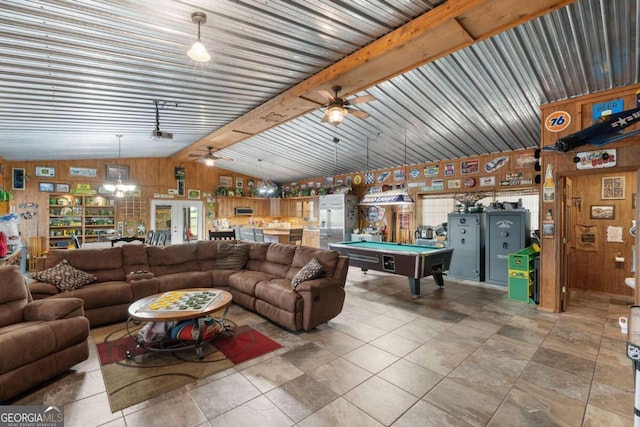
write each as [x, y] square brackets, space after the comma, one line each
[148, 374]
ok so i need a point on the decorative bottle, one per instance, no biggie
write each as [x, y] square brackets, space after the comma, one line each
[549, 187]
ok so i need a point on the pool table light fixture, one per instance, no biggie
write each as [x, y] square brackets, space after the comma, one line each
[391, 197]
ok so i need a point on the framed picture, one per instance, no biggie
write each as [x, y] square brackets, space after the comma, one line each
[62, 188]
[47, 187]
[613, 188]
[181, 187]
[178, 172]
[18, 179]
[194, 194]
[226, 181]
[116, 172]
[548, 229]
[85, 172]
[239, 182]
[1, 168]
[603, 212]
[45, 171]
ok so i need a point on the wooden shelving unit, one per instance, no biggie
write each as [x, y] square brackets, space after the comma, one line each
[86, 217]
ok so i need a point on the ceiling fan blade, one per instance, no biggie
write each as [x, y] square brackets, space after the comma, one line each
[362, 99]
[326, 95]
[195, 155]
[325, 118]
[358, 113]
[226, 159]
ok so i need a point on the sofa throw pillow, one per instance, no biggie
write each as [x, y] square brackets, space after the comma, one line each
[231, 256]
[64, 276]
[312, 270]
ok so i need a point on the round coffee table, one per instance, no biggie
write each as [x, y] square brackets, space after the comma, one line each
[184, 304]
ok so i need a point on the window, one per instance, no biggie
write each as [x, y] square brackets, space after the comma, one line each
[436, 208]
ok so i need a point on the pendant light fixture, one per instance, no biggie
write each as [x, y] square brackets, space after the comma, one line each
[198, 51]
[119, 189]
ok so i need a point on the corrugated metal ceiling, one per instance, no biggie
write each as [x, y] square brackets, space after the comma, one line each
[75, 74]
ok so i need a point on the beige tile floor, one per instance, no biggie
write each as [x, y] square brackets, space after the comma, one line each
[463, 355]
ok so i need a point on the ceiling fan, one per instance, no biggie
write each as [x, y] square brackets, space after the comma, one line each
[209, 158]
[338, 107]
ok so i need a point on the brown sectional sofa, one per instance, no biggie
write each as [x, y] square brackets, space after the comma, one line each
[262, 285]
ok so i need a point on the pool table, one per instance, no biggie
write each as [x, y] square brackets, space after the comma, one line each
[412, 261]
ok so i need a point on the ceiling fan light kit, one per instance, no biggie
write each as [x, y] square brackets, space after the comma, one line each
[209, 158]
[338, 108]
[336, 114]
[198, 51]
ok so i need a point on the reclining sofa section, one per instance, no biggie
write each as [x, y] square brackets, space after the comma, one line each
[260, 282]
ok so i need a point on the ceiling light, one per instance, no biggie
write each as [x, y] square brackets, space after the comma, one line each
[119, 189]
[198, 52]
[209, 162]
[336, 114]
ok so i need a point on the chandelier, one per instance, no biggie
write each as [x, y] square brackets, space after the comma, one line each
[266, 187]
[119, 189]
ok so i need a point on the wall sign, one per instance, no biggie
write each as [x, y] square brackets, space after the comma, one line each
[557, 121]
[596, 159]
[45, 171]
[607, 108]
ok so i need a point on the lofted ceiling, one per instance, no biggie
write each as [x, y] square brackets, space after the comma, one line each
[452, 78]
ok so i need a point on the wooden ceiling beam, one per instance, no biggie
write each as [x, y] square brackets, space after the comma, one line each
[443, 30]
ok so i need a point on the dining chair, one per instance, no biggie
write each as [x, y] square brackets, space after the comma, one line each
[222, 235]
[295, 236]
[247, 233]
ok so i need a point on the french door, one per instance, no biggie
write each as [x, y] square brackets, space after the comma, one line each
[183, 218]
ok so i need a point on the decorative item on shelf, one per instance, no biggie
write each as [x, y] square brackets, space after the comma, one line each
[119, 189]
[5, 196]
[198, 51]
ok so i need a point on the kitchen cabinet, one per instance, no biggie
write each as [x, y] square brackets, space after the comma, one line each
[86, 217]
[300, 207]
[226, 206]
[275, 207]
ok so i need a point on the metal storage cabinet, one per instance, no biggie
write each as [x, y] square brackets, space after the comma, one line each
[466, 238]
[505, 232]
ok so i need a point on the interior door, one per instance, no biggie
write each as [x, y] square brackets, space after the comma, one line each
[183, 218]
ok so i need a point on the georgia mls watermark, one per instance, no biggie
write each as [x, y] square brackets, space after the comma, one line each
[31, 416]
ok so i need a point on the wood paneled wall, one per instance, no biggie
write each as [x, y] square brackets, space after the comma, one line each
[153, 176]
[588, 183]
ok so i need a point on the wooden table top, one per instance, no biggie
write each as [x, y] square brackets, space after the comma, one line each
[137, 311]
